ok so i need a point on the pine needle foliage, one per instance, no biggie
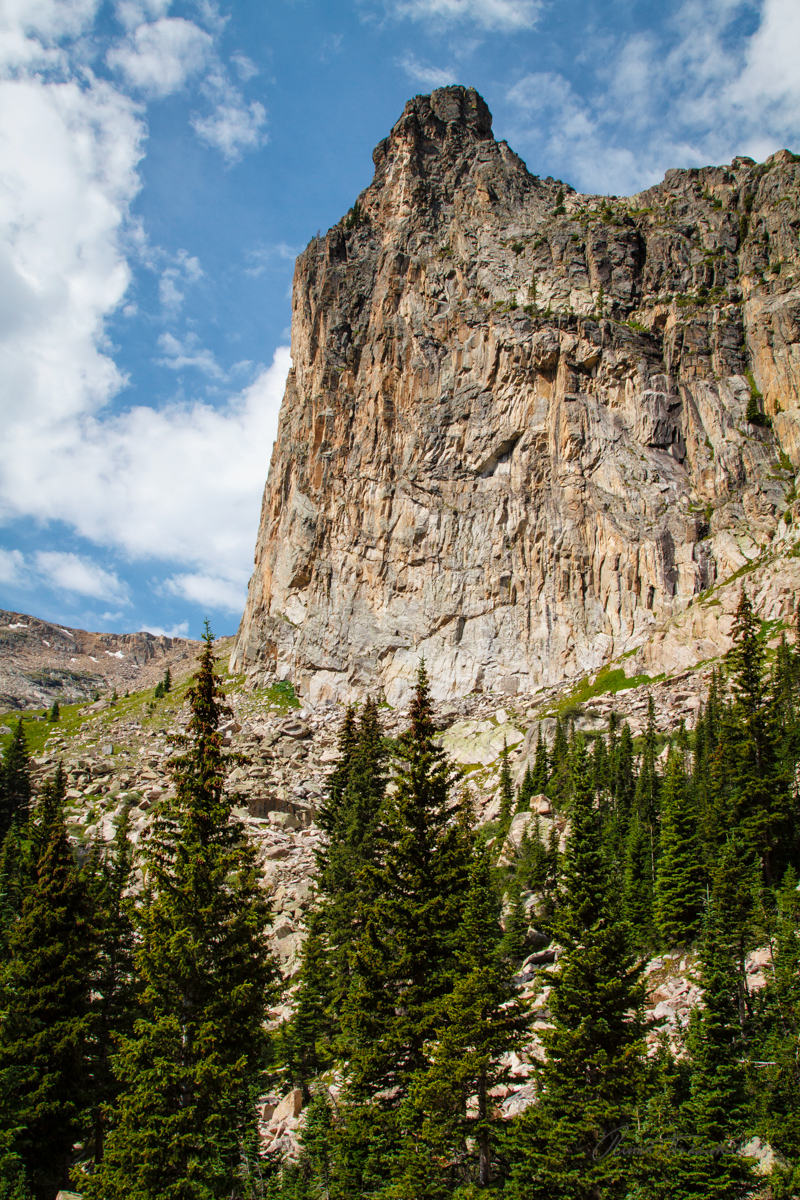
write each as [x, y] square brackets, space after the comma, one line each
[192, 1068]
[46, 1025]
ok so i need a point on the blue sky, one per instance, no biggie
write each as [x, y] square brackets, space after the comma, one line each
[161, 164]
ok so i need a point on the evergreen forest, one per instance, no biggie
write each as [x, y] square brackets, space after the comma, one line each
[137, 980]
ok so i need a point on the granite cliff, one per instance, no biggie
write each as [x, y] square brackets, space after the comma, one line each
[515, 437]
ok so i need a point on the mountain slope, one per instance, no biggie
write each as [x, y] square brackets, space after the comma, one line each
[515, 438]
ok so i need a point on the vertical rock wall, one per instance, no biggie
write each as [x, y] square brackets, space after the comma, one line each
[514, 436]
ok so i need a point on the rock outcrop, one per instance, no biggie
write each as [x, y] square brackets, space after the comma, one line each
[41, 662]
[515, 435]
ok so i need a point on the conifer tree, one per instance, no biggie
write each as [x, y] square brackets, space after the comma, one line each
[778, 1044]
[481, 1020]
[541, 766]
[714, 1115]
[312, 1027]
[506, 790]
[15, 799]
[114, 985]
[44, 1035]
[345, 863]
[679, 883]
[405, 957]
[637, 890]
[193, 1066]
[559, 781]
[759, 787]
[526, 789]
[590, 1079]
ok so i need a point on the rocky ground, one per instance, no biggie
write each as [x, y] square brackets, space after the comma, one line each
[117, 756]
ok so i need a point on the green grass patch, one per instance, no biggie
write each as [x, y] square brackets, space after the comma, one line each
[281, 695]
[609, 681]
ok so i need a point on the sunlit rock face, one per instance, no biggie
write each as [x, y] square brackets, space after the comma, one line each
[514, 438]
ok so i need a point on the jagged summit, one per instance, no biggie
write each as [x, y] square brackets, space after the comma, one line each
[527, 429]
[448, 114]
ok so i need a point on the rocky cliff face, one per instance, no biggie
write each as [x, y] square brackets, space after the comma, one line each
[514, 438]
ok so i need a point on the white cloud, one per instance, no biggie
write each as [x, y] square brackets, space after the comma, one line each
[210, 591]
[181, 630]
[432, 77]
[245, 67]
[131, 13]
[494, 15]
[700, 94]
[60, 571]
[13, 571]
[234, 126]
[188, 353]
[72, 573]
[184, 270]
[159, 57]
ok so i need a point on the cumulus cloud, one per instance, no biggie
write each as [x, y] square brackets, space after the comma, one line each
[74, 573]
[188, 353]
[60, 571]
[695, 95]
[432, 77]
[233, 126]
[210, 591]
[174, 279]
[158, 57]
[180, 485]
[181, 630]
[493, 15]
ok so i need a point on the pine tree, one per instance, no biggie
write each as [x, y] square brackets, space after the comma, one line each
[167, 681]
[679, 883]
[15, 799]
[481, 1020]
[590, 1079]
[526, 789]
[55, 712]
[405, 957]
[193, 1066]
[506, 790]
[43, 1042]
[714, 1115]
[637, 891]
[778, 1044]
[312, 1027]
[760, 790]
[541, 766]
[559, 781]
[345, 863]
[115, 991]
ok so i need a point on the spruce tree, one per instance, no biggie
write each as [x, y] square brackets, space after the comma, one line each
[506, 790]
[541, 766]
[15, 799]
[345, 863]
[481, 1020]
[762, 803]
[45, 1031]
[526, 789]
[714, 1116]
[115, 991]
[679, 883]
[559, 781]
[590, 1080]
[404, 959]
[312, 1027]
[778, 1044]
[192, 1068]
